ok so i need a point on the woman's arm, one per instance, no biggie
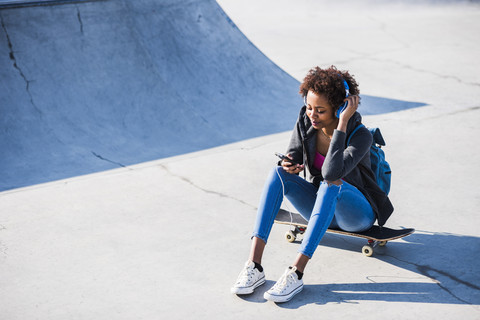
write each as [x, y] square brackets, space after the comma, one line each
[339, 160]
[348, 112]
[295, 150]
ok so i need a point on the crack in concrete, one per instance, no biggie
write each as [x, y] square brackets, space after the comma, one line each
[164, 167]
[15, 65]
[79, 17]
[427, 270]
[383, 28]
[442, 76]
[371, 56]
[108, 160]
[23, 76]
[449, 114]
[3, 250]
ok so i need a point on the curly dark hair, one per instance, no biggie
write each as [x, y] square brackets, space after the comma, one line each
[329, 82]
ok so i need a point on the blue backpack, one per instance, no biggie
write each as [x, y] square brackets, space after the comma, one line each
[380, 167]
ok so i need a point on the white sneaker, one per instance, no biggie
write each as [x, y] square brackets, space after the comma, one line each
[248, 279]
[286, 287]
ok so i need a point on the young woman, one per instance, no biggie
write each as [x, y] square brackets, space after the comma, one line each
[338, 191]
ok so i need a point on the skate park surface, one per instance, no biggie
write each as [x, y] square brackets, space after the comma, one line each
[163, 229]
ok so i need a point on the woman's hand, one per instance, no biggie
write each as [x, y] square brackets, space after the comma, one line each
[352, 106]
[290, 166]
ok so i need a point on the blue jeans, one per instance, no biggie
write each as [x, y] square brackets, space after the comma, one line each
[343, 207]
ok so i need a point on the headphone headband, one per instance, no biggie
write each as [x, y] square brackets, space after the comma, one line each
[347, 88]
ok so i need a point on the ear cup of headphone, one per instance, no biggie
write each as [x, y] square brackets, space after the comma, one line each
[340, 109]
[343, 105]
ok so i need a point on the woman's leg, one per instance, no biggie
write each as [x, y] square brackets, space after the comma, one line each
[342, 206]
[300, 192]
[291, 283]
[329, 198]
[320, 219]
[256, 250]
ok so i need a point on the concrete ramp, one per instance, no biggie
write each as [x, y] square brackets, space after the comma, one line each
[92, 86]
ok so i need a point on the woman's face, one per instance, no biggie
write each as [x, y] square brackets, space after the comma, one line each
[319, 111]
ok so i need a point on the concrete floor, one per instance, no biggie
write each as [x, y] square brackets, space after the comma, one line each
[167, 238]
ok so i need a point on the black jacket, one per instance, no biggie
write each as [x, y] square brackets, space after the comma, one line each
[350, 163]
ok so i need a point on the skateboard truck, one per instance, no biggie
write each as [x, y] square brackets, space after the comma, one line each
[367, 249]
[291, 235]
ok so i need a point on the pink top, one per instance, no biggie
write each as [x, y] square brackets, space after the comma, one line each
[319, 159]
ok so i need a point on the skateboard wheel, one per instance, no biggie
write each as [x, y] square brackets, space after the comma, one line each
[367, 251]
[290, 236]
[382, 243]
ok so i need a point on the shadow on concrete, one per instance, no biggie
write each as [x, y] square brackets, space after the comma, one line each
[446, 263]
[371, 105]
[257, 295]
[92, 86]
[355, 292]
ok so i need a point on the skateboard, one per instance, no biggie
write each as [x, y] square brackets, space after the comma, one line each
[376, 236]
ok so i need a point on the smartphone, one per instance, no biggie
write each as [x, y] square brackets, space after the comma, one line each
[284, 157]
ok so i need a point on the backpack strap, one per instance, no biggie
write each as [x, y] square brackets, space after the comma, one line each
[353, 132]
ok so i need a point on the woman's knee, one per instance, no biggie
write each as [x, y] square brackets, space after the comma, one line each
[279, 173]
[336, 182]
[280, 170]
[355, 217]
[356, 223]
[353, 212]
[276, 173]
[327, 187]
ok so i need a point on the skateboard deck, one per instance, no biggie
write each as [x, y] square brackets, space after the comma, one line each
[376, 236]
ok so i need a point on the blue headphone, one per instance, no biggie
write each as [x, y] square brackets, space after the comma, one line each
[343, 105]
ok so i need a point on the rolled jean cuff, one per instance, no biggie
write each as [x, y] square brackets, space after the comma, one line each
[256, 235]
[305, 254]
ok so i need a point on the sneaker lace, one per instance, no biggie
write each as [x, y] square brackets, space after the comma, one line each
[285, 280]
[245, 275]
